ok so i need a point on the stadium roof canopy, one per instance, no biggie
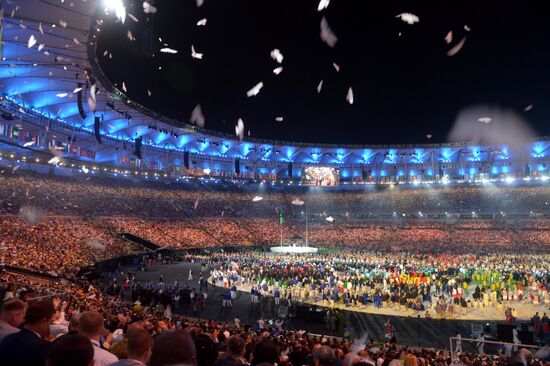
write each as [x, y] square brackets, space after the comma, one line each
[49, 72]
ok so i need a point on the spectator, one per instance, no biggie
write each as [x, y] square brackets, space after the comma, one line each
[174, 348]
[324, 356]
[90, 325]
[266, 353]
[235, 352]
[12, 316]
[139, 348]
[29, 346]
[72, 350]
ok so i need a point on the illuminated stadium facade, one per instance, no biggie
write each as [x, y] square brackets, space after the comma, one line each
[46, 90]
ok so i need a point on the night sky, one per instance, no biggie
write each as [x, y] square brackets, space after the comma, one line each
[405, 86]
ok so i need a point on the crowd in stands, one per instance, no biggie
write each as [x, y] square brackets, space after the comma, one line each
[81, 325]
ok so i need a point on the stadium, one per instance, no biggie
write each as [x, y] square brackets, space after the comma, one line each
[131, 234]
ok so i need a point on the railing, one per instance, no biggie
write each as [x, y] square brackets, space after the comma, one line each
[453, 340]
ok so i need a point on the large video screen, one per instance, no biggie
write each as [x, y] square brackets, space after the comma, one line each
[320, 176]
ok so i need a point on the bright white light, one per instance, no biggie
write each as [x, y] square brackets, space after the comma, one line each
[118, 7]
[297, 202]
[206, 171]
[330, 219]
[509, 179]
[257, 199]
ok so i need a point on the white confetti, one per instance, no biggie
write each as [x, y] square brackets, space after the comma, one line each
[330, 219]
[149, 93]
[336, 66]
[196, 204]
[148, 8]
[40, 28]
[279, 119]
[349, 96]
[28, 144]
[124, 87]
[466, 28]
[76, 90]
[485, 119]
[428, 136]
[255, 90]
[31, 42]
[200, 3]
[61, 95]
[76, 41]
[327, 35]
[323, 4]
[528, 108]
[239, 129]
[201, 22]
[63, 23]
[453, 51]
[408, 18]
[105, 53]
[277, 55]
[320, 86]
[54, 160]
[131, 16]
[168, 50]
[278, 70]
[449, 37]
[257, 199]
[195, 54]
[297, 202]
[40, 47]
[197, 118]
[130, 36]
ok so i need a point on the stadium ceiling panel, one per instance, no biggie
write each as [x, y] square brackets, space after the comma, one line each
[48, 60]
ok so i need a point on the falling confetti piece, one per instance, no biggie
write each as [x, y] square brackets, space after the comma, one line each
[196, 204]
[349, 96]
[148, 8]
[323, 4]
[133, 18]
[257, 199]
[28, 144]
[105, 53]
[31, 42]
[76, 90]
[298, 202]
[200, 3]
[124, 87]
[40, 47]
[168, 50]
[40, 28]
[201, 22]
[54, 160]
[197, 118]
[76, 41]
[408, 18]
[63, 23]
[319, 86]
[255, 90]
[239, 129]
[278, 70]
[279, 119]
[95, 244]
[149, 93]
[195, 54]
[449, 37]
[336, 66]
[466, 28]
[528, 108]
[485, 119]
[428, 136]
[330, 219]
[130, 36]
[277, 55]
[61, 95]
[453, 51]
[327, 35]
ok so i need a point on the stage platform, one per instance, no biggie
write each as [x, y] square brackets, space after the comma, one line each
[293, 250]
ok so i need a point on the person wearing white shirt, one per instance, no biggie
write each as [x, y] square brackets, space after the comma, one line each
[90, 325]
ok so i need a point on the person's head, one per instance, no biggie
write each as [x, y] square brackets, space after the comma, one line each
[38, 317]
[265, 352]
[140, 345]
[71, 350]
[410, 360]
[236, 346]
[207, 353]
[173, 347]
[324, 356]
[73, 324]
[90, 325]
[13, 312]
